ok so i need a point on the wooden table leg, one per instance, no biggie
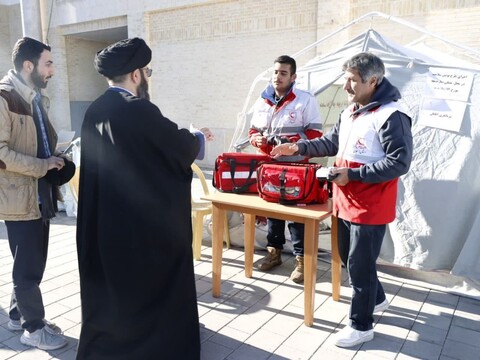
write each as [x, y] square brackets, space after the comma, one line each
[249, 245]
[218, 229]
[336, 262]
[310, 263]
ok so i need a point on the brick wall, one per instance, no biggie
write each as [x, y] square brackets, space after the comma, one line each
[84, 83]
[456, 20]
[10, 32]
[207, 53]
[5, 48]
[15, 25]
[75, 74]
[58, 86]
[206, 57]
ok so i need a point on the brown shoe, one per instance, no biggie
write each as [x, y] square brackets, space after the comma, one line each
[273, 258]
[297, 274]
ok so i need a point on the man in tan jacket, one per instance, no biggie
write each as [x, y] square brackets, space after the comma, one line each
[27, 198]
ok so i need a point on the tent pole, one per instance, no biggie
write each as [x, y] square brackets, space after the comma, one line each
[390, 18]
[370, 16]
[420, 29]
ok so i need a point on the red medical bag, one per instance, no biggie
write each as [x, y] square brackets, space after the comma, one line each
[291, 183]
[237, 172]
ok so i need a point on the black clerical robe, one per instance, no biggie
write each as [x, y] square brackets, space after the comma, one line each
[134, 234]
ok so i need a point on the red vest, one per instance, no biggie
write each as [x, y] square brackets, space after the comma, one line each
[359, 144]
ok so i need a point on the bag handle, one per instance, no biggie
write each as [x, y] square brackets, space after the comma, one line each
[241, 189]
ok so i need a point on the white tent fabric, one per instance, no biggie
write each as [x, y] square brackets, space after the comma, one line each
[438, 210]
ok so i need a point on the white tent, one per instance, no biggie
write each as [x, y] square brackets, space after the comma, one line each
[438, 211]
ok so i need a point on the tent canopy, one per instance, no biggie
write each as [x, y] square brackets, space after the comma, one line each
[438, 212]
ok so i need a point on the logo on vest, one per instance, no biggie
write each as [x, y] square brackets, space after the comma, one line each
[360, 147]
[292, 116]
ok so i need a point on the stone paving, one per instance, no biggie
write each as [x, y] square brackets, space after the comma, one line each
[262, 317]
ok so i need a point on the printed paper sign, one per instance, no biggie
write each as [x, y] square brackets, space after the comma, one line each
[452, 84]
[442, 114]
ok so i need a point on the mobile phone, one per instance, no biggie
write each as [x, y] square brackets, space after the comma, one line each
[325, 173]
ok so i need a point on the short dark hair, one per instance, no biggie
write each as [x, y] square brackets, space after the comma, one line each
[367, 65]
[285, 59]
[27, 49]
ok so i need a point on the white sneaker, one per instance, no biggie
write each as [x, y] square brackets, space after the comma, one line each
[14, 325]
[43, 339]
[348, 337]
[52, 328]
[381, 307]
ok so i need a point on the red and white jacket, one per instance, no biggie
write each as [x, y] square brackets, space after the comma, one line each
[296, 116]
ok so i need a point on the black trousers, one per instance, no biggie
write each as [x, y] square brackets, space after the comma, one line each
[28, 242]
[359, 246]
[276, 235]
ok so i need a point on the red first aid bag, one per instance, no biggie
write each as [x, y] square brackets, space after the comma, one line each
[237, 172]
[291, 183]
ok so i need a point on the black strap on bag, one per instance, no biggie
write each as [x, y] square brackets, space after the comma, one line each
[283, 191]
[241, 189]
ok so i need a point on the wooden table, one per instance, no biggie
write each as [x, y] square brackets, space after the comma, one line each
[252, 205]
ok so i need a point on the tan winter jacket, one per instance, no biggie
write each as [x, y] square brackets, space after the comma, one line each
[19, 166]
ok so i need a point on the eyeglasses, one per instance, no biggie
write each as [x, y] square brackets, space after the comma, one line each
[148, 71]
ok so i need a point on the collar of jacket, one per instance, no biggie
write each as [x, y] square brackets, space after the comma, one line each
[269, 96]
[13, 80]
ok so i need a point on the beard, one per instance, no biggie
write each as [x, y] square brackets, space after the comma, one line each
[142, 88]
[37, 80]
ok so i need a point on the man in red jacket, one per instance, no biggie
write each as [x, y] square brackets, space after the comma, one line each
[282, 114]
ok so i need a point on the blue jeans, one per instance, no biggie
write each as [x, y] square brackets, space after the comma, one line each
[359, 246]
[276, 235]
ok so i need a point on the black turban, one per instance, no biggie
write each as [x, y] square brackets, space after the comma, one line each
[123, 57]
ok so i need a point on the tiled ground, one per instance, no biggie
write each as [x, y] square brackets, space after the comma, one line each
[262, 317]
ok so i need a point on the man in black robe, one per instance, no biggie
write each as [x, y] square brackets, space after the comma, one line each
[134, 234]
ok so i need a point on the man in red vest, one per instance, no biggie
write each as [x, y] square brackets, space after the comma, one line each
[372, 142]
